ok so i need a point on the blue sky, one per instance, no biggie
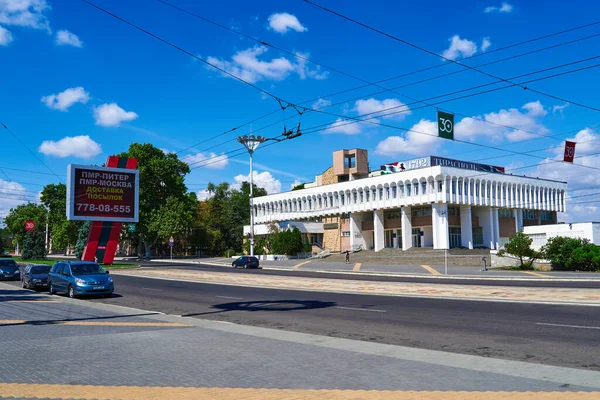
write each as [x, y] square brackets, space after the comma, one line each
[79, 86]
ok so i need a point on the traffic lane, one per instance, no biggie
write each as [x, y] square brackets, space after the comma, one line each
[502, 330]
[311, 274]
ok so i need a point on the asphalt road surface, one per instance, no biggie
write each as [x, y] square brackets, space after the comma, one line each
[548, 334]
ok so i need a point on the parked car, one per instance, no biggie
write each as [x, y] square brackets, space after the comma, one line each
[79, 278]
[9, 270]
[35, 276]
[246, 262]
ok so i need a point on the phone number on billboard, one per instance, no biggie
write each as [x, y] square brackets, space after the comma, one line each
[103, 208]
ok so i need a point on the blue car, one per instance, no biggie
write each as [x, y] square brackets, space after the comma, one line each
[35, 276]
[9, 270]
[79, 278]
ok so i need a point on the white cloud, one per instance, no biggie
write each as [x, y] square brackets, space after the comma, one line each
[283, 22]
[14, 195]
[496, 127]
[26, 13]
[485, 44]
[560, 109]
[321, 103]
[348, 127]
[264, 180]
[504, 7]
[459, 48]
[204, 195]
[246, 65]
[5, 36]
[64, 37]
[372, 107]
[77, 146]
[295, 183]
[112, 115]
[588, 142]
[208, 160]
[66, 99]
[421, 139]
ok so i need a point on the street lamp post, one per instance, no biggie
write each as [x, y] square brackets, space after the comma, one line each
[251, 142]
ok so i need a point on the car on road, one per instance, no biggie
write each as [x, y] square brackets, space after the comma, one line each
[79, 278]
[246, 262]
[9, 270]
[35, 276]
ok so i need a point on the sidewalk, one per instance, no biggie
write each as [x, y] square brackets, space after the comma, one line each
[542, 295]
[86, 350]
[411, 270]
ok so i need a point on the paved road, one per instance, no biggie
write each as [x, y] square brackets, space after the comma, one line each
[312, 274]
[554, 335]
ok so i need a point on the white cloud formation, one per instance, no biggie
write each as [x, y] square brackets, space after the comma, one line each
[26, 13]
[76, 146]
[459, 48]
[421, 139]
[66, 38]
[283, 22]
[348, 127]
[204, 195]
[560, 108]
[373, 107]
[66, 99]
[504, 8]
[496, 127]
[112, 115]
[588, 142]
[485, 44]
[245, 64]
[208, 160]
[264, 180]
[6, 36]
[321, 103]
[14, 194]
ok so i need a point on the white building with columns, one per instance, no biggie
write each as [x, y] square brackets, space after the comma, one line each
[427, 202]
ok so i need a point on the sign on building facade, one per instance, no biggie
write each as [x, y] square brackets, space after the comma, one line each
[433, 161]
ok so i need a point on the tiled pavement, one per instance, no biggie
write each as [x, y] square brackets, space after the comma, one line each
[132, 354]
[474, 292]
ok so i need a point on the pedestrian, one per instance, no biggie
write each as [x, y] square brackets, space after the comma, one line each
[96, 259]
[347, 256]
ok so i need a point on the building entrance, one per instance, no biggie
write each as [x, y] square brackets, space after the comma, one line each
[389, 238]
[416, 237]
[455, 240]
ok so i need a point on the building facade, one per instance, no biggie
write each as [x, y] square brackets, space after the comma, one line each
[581, 230]
[427, 202]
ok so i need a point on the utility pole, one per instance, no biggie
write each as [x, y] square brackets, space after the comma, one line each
[251, 142]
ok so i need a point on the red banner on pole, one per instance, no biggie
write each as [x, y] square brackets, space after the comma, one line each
[569, 151]
[29, 225]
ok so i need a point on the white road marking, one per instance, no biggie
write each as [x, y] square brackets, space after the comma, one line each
[569, 326]
[361, 309]
[156, 290]
[229, 297]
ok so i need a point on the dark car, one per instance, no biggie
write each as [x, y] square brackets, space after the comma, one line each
[246, 262]
[79, 278]
[9, 270]
[35, 276]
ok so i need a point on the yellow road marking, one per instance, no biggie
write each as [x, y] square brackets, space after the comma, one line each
[26, 390]
[536, 274]
[92, 323]
[31, 301]
[431, 270]
[356, 267]
[302, 263]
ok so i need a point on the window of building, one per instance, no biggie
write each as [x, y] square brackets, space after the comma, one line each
[453, 211]
[423, 187]
[346, 233]
[421, 211]
[393, 215]
[505, 213]
[460, 187]
[394, 192]
[529, 214]
[416, 188]
[350, 161]
[380, 193]
[546, 216]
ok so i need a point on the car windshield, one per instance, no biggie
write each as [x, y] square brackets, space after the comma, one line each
[42, 269]
[85, 269]
[8, 263]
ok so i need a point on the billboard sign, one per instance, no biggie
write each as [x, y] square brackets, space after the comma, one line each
[102, 194]
[433, 161]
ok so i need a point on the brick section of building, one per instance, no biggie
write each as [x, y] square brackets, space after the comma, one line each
[329, 177]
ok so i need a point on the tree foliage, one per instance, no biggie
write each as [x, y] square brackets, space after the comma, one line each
[15, 220]
[573, 254]
[63, 233]
[298, 187]
[519, 245]
[82, 236]
[287, 242]
[34, 246]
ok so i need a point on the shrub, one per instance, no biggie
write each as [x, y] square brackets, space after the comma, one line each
[519, 245]
[34, 246]
[572, 254]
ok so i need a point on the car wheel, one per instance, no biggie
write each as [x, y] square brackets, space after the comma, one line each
[51, 289]
[71, 292]
[246, 266]
[234, 265]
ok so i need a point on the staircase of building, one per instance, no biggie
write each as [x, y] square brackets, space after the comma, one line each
[418, 256]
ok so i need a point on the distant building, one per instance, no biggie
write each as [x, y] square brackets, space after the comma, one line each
[581, 230]
[426, 202]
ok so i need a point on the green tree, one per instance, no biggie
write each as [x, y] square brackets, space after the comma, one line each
[15, 220]
[34, 246]
[62, 232]
[82, 237]
[573, 254]
[176, 218]
[161, 178]
[298, 187]
[519, 245]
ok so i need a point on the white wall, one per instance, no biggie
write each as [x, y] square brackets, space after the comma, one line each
[427, 238]
[583, 230]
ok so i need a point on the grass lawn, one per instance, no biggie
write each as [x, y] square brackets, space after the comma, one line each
[51, 262]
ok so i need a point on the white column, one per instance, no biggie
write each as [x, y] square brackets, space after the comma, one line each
[444, 189]
[353, 229]
[516, 218]
[406, 228]
[356, 235]
[439, 219]
[466, 227]
[469, 191]
[378, 228]
[496, 222]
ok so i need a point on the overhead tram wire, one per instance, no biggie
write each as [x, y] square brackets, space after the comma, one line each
[448, 59]
[376, 83]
